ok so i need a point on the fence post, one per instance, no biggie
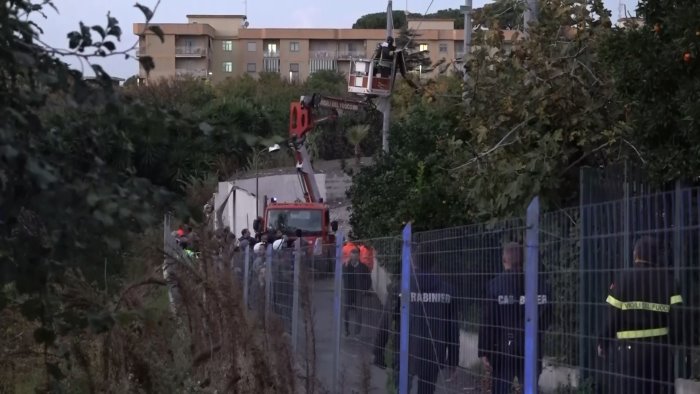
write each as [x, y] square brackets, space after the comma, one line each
[678, 223]
[295, 296]
[246, 275]
[532, 241]
[167, 264]
[405, 309]
[268, 281]
[338, 289]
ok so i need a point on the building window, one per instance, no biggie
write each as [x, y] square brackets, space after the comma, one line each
[252, 47]
[443, 48]
[423, 47]
[293, 72]
[271, 49]
[227, 45]
[251, 67]
[227, 67]
[294, 46]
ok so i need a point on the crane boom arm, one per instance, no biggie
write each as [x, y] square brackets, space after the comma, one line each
[302, 122]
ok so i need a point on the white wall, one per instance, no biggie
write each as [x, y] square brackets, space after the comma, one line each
[237, 207]
[285, 187]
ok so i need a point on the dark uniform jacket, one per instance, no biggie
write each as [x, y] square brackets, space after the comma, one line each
[643, 322]
[433, 330]
[502, 330]
[356, 280]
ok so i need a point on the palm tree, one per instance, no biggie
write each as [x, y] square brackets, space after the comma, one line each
[355, 135]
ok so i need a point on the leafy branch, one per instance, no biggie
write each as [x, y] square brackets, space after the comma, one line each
[84, 46]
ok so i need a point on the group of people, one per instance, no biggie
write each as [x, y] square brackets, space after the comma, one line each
[636, 344]
[434, 325]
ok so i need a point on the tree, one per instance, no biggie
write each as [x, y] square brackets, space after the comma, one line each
[378, 20]
[86, 170]
[504, 14]
[355, 135]
[536, 114]
[656, 69]
[410, 182]
[531, 117]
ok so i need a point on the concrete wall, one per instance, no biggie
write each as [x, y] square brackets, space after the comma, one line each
[285, 187]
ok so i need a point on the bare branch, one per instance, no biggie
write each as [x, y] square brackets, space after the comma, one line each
[500, 144]
[639, 154]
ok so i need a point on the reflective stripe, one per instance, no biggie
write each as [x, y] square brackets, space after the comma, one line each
[636, 334]
[676, 299]
[638, 305]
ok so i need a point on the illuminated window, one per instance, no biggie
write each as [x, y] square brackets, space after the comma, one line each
[227, 45]
[227, 67]
[423, 47]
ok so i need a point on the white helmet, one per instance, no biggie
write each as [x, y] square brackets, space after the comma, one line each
[259, 248]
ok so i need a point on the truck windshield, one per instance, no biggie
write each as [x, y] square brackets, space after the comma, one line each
[289, 220]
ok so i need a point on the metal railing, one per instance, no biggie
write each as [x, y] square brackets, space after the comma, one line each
[329, 54]
[200, 73]
[191, 51]
[351, 54]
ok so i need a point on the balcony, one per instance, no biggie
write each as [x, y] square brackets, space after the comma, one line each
[322, 63]
[190, 51]
[347, 54]
[187, 72]
[271, 64]
[330, 54]
[271, 54]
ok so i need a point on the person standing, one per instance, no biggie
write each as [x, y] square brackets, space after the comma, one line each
[434, 328]
[384, 57]
[357, 281]
[502, 331]
[643, 323]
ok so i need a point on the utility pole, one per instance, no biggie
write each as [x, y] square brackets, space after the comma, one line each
[467, 11]
[530, 15]
[385, 102]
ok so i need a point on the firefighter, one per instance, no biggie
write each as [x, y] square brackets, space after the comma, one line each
[502, 331]
[384, 57]
[434, 328]
[643, 323]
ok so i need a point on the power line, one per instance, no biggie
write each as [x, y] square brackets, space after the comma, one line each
[410, 38]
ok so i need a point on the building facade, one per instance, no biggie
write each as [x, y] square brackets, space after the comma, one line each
[217, 47]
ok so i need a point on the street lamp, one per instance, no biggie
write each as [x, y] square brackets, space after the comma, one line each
[269, 149]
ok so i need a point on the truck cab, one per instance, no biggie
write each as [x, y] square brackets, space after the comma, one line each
[312, 219]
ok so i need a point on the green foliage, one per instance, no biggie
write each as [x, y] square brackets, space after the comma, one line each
[378, 20]
[500, 14]
[87, 169]
[535, 114]
[410, 183]
[658, 87]
[531, 116]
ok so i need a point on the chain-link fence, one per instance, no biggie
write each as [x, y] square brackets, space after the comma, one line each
[601, 298]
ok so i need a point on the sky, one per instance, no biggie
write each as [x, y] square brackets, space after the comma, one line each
[261, 13]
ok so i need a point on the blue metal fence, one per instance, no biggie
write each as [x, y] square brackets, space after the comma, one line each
[417, 329]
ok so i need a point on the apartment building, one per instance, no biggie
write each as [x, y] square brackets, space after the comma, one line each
[216, 47]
